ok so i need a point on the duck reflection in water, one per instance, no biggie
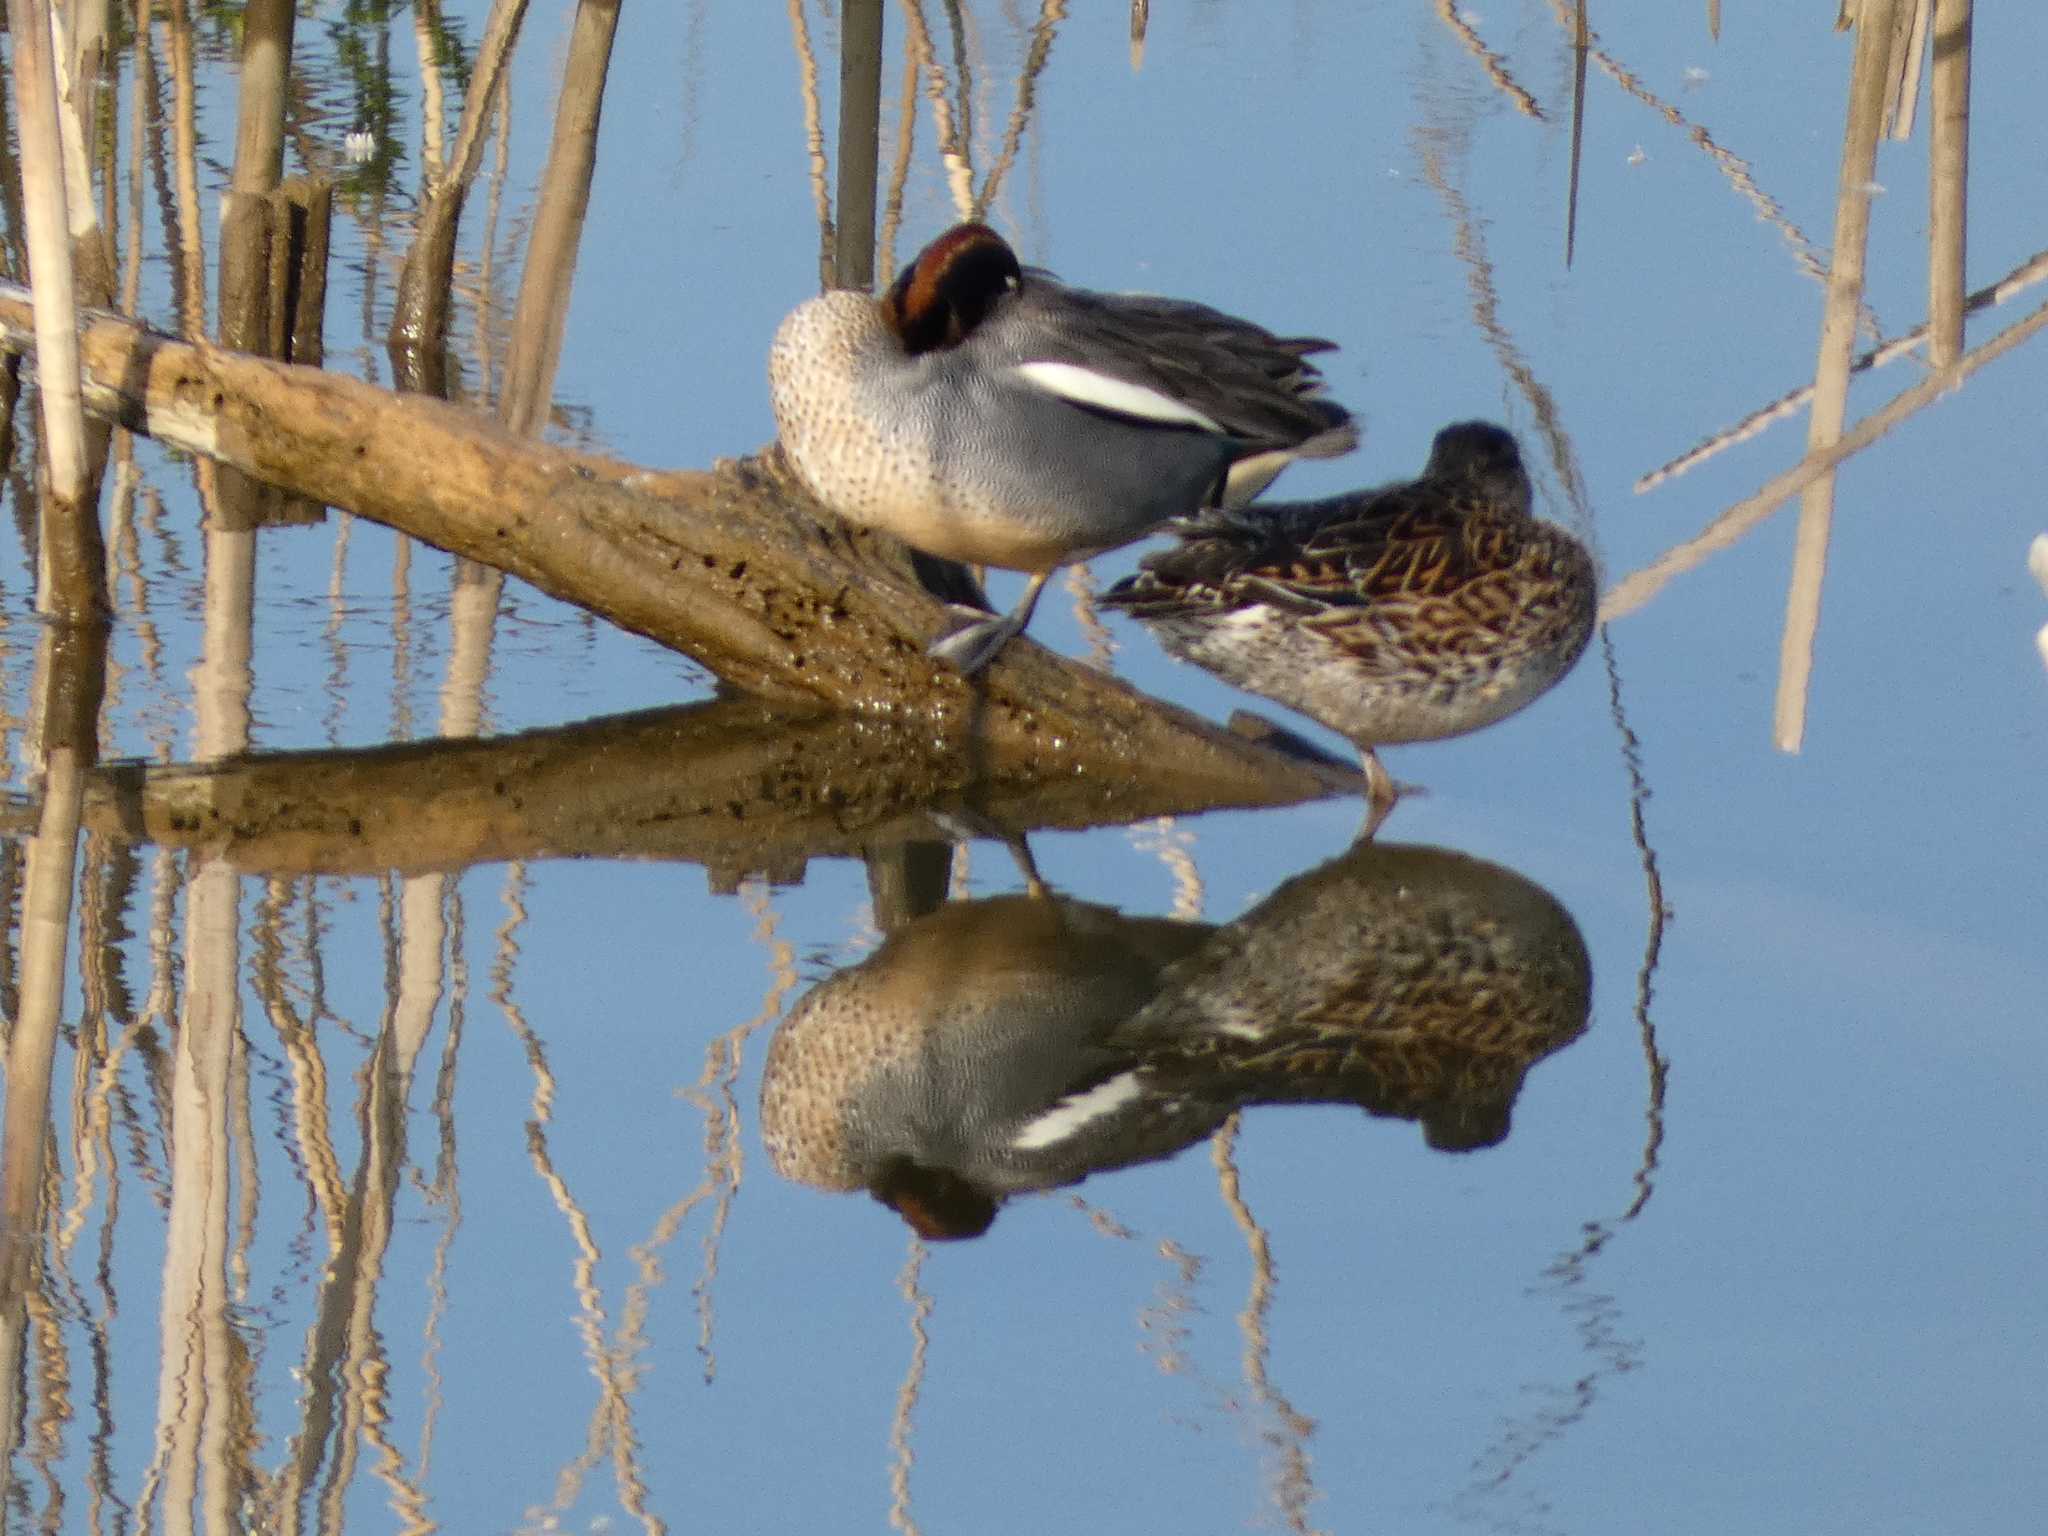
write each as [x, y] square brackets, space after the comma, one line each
[1022, 1043]
[1412, 612]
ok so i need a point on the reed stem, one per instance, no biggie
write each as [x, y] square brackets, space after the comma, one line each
[1867, 83]
[1949, 178]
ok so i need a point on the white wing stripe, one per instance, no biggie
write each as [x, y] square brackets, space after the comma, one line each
[1070, 1114]
[1084, 386]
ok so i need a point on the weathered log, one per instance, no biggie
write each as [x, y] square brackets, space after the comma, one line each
[737, 567]
[736, 784]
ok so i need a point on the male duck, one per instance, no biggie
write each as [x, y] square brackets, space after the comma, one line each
[988, 413]
[1409, 613]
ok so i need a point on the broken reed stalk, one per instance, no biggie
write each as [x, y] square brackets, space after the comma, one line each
[1949, 179]
[563, 198]
[418, 338]
[252, 222]
[73, 576]
[1902, 68]
[1831, 371]
[1626, 596]
[259, 165]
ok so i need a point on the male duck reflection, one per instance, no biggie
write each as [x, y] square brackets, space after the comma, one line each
[1021, 1043]
[986, 412]
[1408, 613]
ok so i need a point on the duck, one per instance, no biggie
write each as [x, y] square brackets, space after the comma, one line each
[1418, 983]
[1000, 1047]
[911, 1073]
[1409, 612]
[985, 412]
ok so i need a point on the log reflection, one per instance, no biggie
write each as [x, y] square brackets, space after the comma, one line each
[736, 784]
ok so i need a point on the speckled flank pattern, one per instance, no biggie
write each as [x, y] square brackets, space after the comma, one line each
[853, 460]
[1413, 665]
[838, 1037]
[1407, 614]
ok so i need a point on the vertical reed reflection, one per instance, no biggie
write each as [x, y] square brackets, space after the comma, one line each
[814, 136]
[1173, 845]
[899, 169]
[444, 1189]
[191, 261]
[72, 673]
[902, 1455]
[1050, 14]
[1461, 24]
[611, 1423]
[426, 25]
[1438, 145]
[724, 1146]
[1164, 1320]
[203, 1370]
[956, 154]
[1080, 584]
[1291, 1483]
[309, 1146]
[1732, 167]
[1596, 1316]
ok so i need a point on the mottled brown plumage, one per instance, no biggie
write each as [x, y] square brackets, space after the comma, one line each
[1408, 613]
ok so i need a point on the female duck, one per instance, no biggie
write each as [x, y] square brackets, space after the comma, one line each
[986, 412]
[1410, 613]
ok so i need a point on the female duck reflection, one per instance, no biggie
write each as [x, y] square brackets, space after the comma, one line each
[1023, 1042]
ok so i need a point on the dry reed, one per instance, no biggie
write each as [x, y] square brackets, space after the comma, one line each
[1867, 84]
[1948, 178]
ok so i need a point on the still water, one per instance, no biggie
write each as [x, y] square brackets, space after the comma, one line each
[425, 1180]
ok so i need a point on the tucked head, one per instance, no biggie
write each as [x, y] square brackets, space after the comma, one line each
[950, 288]
[1485, 455]
[938, 1204]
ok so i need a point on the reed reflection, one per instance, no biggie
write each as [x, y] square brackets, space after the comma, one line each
[1021, 1043]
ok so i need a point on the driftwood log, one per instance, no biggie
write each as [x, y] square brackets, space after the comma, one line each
[736, 567]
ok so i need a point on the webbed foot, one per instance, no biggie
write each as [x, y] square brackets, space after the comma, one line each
[974, 644]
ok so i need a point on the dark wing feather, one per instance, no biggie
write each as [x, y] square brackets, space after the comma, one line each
[1258, 387]
[1422, 539]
